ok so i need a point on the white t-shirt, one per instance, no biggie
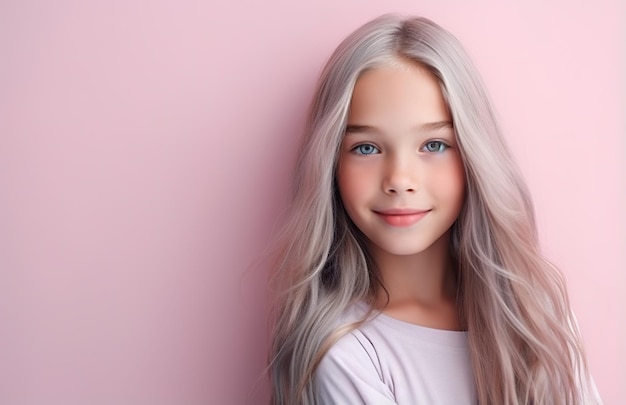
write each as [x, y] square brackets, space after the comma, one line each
[387, 361]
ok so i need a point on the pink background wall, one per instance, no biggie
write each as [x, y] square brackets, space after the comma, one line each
[146, 150]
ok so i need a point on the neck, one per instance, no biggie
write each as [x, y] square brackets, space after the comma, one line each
[421, 288]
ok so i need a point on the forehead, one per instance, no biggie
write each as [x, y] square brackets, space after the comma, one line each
[397, 93]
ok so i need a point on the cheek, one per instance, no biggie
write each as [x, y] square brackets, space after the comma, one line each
[448, 181]
[457, 182]
[356, 184]
[348, 185]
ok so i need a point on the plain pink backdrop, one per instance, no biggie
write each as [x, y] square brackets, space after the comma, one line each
[146, 150]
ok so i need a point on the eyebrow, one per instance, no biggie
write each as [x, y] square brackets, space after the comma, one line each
[427, 127]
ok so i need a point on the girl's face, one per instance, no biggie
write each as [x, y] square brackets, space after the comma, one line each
[400, 174]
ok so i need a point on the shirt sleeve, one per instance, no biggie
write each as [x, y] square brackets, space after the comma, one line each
[350, 374]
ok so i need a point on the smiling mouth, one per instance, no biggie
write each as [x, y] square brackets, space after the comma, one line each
[402, 217]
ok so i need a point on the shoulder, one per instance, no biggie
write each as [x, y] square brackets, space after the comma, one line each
[350, 372]
[352, 350]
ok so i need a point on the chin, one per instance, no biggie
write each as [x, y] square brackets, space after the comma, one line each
[400, 250]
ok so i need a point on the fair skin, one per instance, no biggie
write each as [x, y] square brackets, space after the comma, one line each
[401, 180]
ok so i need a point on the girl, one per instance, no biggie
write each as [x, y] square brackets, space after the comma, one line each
[410, 270]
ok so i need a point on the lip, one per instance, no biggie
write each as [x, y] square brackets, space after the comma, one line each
[401, 217]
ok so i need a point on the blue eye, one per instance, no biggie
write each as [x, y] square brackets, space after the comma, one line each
[435, 146]
[365, 149]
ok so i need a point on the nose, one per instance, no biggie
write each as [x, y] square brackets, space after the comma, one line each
[401, 177]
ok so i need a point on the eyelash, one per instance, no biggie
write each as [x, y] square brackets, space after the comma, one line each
[357, 148]
[440, 147]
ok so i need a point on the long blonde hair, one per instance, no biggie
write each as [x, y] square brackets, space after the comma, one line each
[525, 346]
